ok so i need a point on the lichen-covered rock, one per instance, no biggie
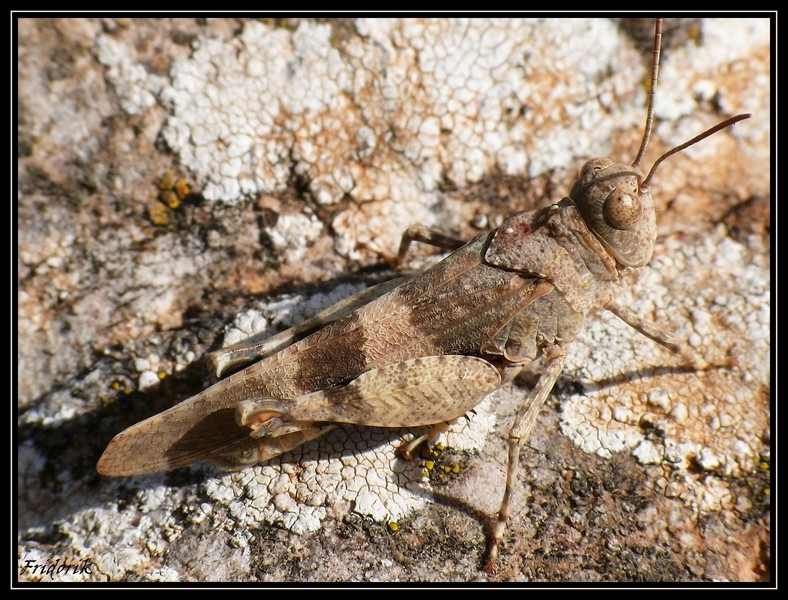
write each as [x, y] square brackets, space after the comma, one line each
[311, 146]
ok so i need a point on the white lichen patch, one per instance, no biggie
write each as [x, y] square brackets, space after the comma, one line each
[727, 45]
[292, 234]
[285, 311]
[395, 110]
[639, 398]
[136, 87]
[147, 380]
[108, 540]
[105, 531]
[165, 574]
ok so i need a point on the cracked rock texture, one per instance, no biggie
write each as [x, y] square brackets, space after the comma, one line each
[308, 148]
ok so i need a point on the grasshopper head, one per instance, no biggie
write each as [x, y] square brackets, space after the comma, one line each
[618, 209]
[615, 201]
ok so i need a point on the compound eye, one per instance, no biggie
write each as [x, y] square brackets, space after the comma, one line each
[621, 210]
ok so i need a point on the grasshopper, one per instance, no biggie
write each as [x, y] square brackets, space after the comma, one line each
[425, 350]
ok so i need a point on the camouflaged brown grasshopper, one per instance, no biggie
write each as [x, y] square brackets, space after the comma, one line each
[425, 350]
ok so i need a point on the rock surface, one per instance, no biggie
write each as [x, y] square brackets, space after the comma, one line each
[181, 182]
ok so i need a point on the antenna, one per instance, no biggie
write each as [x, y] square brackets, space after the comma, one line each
[652, 94]
[726, 123]
[650, 115]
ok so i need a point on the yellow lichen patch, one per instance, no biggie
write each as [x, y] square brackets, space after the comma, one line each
[170, 198]
[393, 527]
[441, 464]
[182, 188]
[158, 214]
[121, 386]
[166, 181]
[694, 33]
[765, 462]
[172, 189]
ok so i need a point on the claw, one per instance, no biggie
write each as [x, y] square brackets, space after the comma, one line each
[407, 449]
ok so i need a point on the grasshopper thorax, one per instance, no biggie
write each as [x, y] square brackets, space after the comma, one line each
[618, 209]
